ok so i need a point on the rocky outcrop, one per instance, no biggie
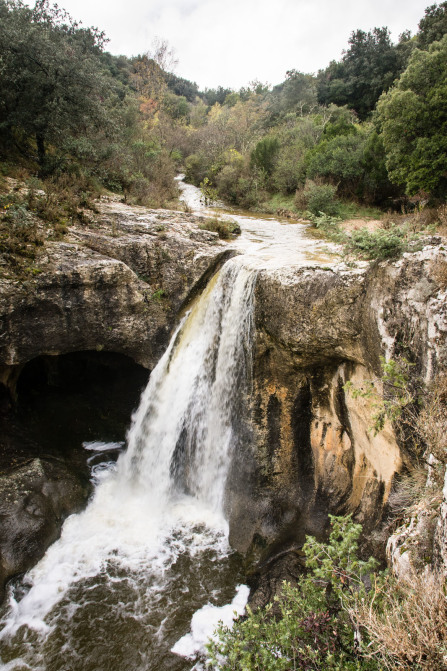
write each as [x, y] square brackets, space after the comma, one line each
[313, 450]
[34, 501]
[116, 286]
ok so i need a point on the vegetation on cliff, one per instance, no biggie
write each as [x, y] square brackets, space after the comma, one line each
[342, 613]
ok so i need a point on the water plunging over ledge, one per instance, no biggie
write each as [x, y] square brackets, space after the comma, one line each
[121, 584]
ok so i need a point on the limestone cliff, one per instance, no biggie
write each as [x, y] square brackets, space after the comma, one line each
[313, 450]
[115, 286]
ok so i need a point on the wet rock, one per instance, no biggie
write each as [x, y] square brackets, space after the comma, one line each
[35, 499]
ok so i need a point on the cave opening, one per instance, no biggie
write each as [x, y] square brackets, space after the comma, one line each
[68, 400]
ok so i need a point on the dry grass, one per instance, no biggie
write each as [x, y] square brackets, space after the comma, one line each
[439, 272]
[432, 420]
[408, 490]
[405, 620]
[408, 630]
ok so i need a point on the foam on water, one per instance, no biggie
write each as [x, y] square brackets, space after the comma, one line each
[205, 621]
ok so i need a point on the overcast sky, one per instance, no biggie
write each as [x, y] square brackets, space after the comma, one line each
[233, 42]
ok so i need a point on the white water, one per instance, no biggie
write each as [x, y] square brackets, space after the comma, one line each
[164, 499]
[266, 241]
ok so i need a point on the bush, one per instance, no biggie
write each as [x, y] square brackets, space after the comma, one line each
[330, 227]
[226, 228]
[382, 244]
[315, 629]
[196, 168]
[264, 154]
[318, 198]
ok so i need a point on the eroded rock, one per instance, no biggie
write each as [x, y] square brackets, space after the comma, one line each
[314, 450]
[34, 501]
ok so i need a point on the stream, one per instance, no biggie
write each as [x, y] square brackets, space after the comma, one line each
[120, 587]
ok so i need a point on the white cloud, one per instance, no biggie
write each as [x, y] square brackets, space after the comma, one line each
[231, 42]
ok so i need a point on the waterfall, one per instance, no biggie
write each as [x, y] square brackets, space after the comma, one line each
[166, 494]
[183, 431]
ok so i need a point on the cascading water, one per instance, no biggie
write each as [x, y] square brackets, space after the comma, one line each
[154, 537]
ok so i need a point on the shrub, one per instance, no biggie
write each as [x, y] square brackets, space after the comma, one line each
[264, 154]
[196, 168]
[330, 227]
[318, 198]
[226, 228]
[315, 630]
[381, 244]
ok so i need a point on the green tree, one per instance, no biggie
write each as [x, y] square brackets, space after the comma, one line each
[52, 80]
[433, 26]
[264, 154]
[412, 118]
[368, 68]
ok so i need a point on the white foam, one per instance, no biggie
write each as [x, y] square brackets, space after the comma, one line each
[204, 622]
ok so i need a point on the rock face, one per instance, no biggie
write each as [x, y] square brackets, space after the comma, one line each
[34, 501]
[117, 287]
[313, 450]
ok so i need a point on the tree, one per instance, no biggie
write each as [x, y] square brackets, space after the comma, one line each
[368, 68]
[412, 118]
[433, 26]
[264, 154]
[52, 81]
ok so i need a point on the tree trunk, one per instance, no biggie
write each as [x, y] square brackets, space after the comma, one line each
[41, 151]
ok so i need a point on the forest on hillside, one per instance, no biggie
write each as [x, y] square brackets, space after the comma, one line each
[369, 128]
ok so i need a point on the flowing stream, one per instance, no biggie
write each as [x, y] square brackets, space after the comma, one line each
[120, 586]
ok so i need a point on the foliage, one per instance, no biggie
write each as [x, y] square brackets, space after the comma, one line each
[315, 628]
[353, 157]
[226, 228]
[380, 244]
[264, 154]
[52, 83]
[330, 226]
[413, 122]
[396, 396]
[19, 234]
[367, 68]
[433, 25]
[209, 192]
[297, 94]
[320, 198]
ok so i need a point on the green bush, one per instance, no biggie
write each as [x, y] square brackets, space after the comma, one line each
[319, 198]
[330, 227]
[196, 168]
[226, 228]
[264, 154]
[381, 244]
[314, 630]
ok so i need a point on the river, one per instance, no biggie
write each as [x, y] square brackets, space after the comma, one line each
[119, 588]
